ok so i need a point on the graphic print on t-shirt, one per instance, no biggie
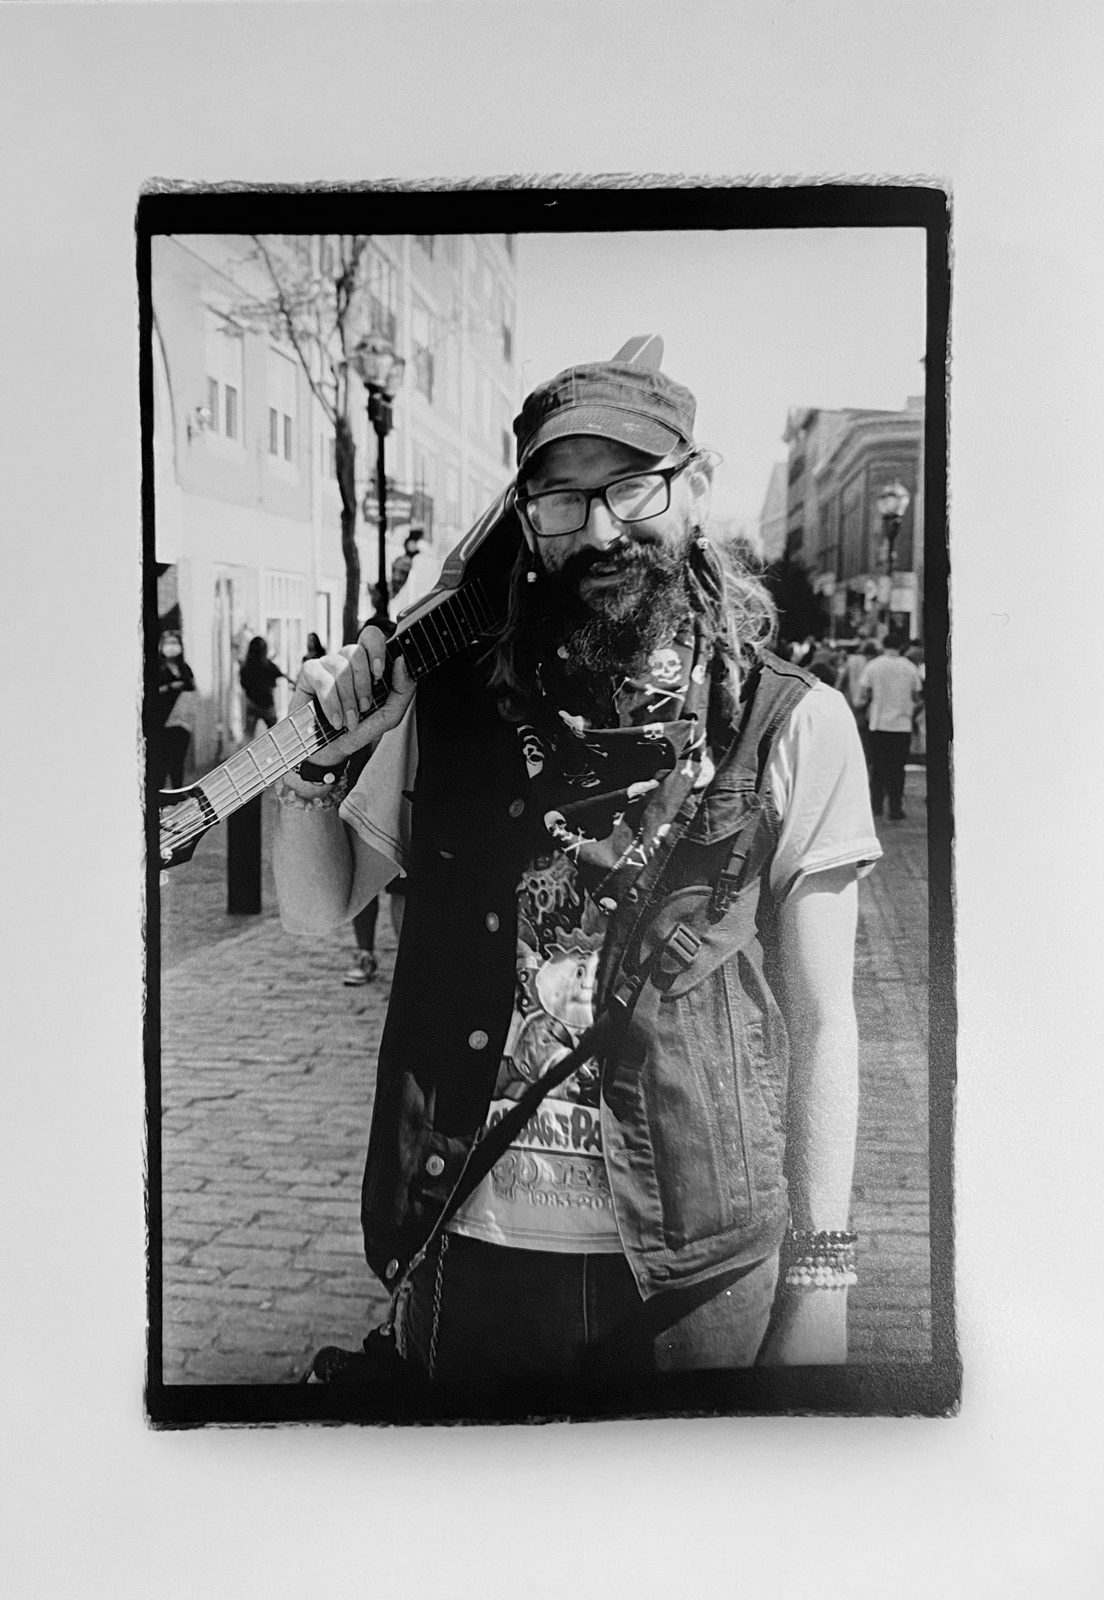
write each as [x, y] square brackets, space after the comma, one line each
[590, 784]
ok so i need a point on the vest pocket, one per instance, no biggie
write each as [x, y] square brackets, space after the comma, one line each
[696, 1114]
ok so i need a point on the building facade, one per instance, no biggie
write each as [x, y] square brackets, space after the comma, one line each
[247, 508]
[772, 518]
[839, 463]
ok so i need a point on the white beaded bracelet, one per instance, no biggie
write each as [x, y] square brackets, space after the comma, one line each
[326, 800]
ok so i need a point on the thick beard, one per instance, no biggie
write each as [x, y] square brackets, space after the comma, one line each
[611, 634]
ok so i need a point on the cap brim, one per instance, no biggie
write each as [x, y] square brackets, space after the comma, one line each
[652, 438]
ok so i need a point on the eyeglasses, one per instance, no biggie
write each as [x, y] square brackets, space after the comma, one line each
[558, 512]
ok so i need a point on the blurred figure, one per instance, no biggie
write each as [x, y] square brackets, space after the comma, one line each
[919, 748]
[365, 963]
[315, 649]
[259, 677]
[822, 663]
[891, 690]
[176, 711]
[400, 567]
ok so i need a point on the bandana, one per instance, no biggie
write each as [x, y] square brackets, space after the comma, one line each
[609, 770]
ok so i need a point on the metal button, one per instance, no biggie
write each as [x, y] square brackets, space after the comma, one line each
[435, 1166]
[391, 1268]
[516, 807]
[478, 1039]
[632, 896]
[491, 919]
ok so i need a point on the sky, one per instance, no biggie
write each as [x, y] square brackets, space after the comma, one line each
[754, 322]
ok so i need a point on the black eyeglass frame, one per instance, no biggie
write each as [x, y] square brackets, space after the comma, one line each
[668, 474]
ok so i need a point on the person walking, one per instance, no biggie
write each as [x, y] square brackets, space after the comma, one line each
[891, 690]
[628, 823]
[176, 706]
[258, 677]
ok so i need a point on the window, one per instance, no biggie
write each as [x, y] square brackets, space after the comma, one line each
[383, 297]
[452, 372]
[224, 366]
[507, 448]
[507, 342]
[285, 599]
[282, 407]
[327, 455]
[421, 500]
[423, 338]
[452, 496]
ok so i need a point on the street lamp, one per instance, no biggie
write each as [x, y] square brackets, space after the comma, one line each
[892, 504]
[381, 372]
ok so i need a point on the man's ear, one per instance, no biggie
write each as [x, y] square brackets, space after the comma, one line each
[699, 478]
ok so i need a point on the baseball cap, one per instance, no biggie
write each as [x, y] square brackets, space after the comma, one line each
[609, 400]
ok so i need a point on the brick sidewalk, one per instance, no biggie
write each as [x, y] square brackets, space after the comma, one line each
[267, 1065]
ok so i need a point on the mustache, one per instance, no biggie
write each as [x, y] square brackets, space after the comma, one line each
[620, 558]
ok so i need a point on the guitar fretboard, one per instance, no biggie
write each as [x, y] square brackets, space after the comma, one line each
[454, 622]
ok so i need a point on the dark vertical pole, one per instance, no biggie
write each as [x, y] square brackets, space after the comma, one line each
[381, 422]
[243, 859]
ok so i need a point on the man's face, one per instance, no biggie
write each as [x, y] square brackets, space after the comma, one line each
[607, 564]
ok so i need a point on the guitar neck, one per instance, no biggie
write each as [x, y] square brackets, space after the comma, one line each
[455, 620]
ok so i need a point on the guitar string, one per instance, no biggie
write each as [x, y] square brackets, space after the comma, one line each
[475, 612]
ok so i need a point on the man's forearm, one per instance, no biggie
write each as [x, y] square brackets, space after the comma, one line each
[822, 1124]
[312, 861]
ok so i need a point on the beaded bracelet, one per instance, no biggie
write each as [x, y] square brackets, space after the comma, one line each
[327, 800]
[819, 1259]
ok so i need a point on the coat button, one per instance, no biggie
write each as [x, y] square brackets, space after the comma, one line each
[390, 1269]
[516, 807]
[491, 919]
[435, 1166]
[478, 1039]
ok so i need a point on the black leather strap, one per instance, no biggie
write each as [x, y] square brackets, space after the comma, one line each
[311, 773]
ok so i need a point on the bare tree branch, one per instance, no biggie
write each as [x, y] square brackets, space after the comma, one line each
[288, 323]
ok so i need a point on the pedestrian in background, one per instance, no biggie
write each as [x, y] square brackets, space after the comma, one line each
[315, 648]
[891, 689]
[822, 664]
[365, 963]
[864, 652]
[176, 708]
[259, 677]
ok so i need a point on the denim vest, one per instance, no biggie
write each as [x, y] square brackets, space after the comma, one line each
[692, 1105]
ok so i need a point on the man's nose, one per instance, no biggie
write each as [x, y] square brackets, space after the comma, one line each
[600, 530]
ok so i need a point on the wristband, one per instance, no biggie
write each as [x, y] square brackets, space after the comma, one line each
[310, 772]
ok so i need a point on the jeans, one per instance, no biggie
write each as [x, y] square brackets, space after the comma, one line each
[480, 1313]
[888, 754]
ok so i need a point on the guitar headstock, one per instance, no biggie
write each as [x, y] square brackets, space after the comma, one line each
[184, 816]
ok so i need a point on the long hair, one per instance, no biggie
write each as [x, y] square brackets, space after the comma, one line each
[736, 612]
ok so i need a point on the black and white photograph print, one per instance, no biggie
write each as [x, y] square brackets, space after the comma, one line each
[550, 1006]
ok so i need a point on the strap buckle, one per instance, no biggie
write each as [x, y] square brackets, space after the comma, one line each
[678, 950]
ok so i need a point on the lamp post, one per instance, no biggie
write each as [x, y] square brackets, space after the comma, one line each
[381, 372]
[892, 504]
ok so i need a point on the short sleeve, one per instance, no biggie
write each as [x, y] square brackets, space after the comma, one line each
[818, 781]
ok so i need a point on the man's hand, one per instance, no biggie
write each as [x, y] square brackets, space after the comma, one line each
[810, 1329]
[342, 683]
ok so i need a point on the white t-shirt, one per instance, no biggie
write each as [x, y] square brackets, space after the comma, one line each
[551, 1191]
[894, 684]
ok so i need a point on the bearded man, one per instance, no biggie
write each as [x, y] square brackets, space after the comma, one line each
[626, 805]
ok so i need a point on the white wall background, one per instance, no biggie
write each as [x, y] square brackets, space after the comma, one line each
[1002, 100]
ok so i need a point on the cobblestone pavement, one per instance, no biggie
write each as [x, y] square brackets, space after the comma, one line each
[267, 1067]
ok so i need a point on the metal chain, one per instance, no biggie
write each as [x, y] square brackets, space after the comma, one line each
[437, 1286]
